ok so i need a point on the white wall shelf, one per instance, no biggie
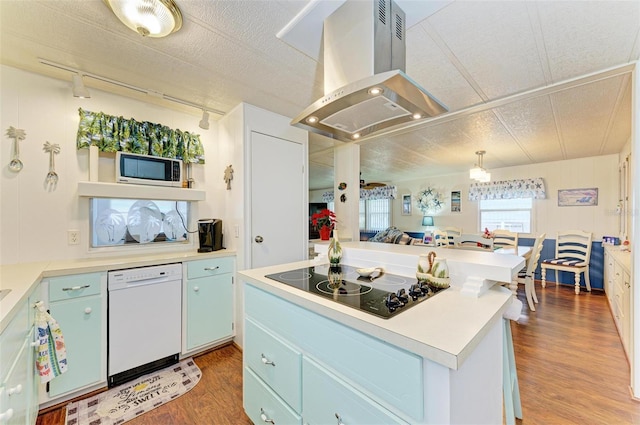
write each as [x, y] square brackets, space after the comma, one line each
[134, 191]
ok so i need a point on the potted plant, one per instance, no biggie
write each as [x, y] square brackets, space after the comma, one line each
[324, 221]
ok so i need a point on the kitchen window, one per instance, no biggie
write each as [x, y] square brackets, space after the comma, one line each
[508, 214]
[118, 222]
[375, 214]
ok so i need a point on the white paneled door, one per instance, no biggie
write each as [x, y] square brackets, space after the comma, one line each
[278, 207]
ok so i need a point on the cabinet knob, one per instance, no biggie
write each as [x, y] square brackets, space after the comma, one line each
[87, 310]
[339, 419]
[265, 418]
[15, 390]
[196, 288]
[267, 361]
[5, 416]
[259, 239]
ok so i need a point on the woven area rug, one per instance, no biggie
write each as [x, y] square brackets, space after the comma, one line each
[136, 397]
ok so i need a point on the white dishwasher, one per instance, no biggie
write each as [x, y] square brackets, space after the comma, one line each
[144, 320]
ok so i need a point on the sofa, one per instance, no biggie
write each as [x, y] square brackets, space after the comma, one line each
[393, 235]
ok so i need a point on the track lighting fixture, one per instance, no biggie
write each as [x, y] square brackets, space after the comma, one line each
[79, 89]
[204, 122]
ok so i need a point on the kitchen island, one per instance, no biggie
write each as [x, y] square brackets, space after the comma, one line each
[309, 359]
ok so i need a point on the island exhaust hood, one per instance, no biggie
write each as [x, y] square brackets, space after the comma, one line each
[366, 89]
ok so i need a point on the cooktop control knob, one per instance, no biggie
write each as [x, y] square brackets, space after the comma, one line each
[392, 301]
[402, 296]
[416, 291]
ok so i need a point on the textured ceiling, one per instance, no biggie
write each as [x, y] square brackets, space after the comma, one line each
[527, 81]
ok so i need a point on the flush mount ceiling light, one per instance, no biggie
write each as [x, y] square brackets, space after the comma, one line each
[150, 18]
[78, 87]
[478, 173]
[204, 122]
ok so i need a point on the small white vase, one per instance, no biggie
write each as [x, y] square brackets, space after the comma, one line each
[335, 250]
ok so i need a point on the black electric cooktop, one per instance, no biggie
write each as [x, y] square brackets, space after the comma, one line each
[384, 296]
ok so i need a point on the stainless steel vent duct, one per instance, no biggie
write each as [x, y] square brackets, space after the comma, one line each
[366, 89]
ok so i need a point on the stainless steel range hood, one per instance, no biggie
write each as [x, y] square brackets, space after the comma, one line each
[366, 89]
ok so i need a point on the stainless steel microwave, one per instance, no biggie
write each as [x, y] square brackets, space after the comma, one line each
[150, 170]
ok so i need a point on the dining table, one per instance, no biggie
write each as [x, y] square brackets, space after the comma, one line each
[521, 251]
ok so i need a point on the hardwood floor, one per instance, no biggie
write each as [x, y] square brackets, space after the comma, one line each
[571, 368]
[217, 399]
[571, 365]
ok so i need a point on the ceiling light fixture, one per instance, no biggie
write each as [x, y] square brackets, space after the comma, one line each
[204, 122]
[478, 173]
[78, 87]
[149, 18]
[78, 76]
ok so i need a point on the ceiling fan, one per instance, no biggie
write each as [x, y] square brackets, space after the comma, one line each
[370, 185]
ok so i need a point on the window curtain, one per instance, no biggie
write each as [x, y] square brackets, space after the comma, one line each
[508, 189]
[110, 134]
[382, 192]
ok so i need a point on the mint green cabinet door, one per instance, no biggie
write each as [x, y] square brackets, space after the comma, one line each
[80, 320]
[14, 392]
[209, 309]
[326, 399]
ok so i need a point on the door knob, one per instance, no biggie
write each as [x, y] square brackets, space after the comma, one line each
[259, 239]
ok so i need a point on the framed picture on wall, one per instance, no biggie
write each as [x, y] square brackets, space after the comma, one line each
[455, 201]
[406, 204]
[578, 197]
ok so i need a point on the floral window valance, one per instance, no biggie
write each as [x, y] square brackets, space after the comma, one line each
[382, 192]
[508, 189]
[110, 134]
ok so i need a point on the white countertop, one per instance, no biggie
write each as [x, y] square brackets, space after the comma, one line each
[622, 257]
[21, 278]
[445, 329]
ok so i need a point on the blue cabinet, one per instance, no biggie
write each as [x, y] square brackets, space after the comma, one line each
[19, 382]
[209, 303]
[76, 302]
[328, 399]
[329, 369]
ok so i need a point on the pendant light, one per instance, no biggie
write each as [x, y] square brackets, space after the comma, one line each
[149, 18]
[478, 173]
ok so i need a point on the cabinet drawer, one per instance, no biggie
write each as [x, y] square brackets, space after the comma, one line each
[260, 400]
[329, 400]
[74, 286]
[278, 364]
[209, 267]
[326, 339]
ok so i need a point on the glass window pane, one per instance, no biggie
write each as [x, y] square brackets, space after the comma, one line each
[117, 222]
[508, 214]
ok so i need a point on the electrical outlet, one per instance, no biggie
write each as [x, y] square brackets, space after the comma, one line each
[73, 237]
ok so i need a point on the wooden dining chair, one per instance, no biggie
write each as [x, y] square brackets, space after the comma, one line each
[526, 276]
[440, 238]
[475, 242]
[573, 252]
[505, 239]
[453, 233]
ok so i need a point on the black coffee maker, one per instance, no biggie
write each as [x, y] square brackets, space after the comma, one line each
[210, 234]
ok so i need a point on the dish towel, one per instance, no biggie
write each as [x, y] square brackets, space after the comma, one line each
[51, 359]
